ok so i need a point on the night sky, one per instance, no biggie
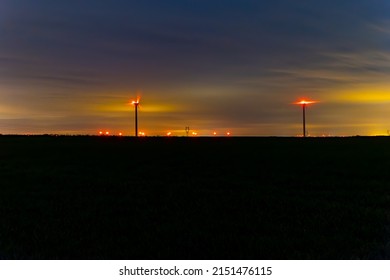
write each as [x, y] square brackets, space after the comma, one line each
[73, 67]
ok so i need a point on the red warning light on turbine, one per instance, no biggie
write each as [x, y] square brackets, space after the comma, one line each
[305, 102]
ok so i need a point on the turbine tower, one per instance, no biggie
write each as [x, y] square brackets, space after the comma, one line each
[136, 103]
[304, 103]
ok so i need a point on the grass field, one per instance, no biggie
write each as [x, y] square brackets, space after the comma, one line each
[194, 198]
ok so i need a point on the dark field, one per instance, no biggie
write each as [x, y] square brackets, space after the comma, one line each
[194, 198]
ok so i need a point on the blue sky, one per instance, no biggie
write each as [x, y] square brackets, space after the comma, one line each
[73, 66]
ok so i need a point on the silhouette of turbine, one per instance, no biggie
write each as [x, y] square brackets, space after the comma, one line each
[304, 103]
[136, 103]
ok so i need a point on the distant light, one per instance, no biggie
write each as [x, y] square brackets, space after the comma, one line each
[135, 102]
[101, 132]
[228, 133]
[194, 133]
[169, 133]
[107, 133]
[120, 133]
[215, 133]
[141, 133]
[305, 102]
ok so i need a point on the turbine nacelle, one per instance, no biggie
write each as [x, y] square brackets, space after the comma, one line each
[305, 102]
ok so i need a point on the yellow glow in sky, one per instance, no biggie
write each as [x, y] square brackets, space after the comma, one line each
[375, 94]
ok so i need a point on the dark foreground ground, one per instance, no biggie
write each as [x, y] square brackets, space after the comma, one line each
[194, 198]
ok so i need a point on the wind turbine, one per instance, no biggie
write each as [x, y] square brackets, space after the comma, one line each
[136, 103]
[304, 103]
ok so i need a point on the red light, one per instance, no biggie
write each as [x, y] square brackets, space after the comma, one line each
[305, 102]
[136, 102]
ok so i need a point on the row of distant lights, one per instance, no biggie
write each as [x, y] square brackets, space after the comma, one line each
[107, 133]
